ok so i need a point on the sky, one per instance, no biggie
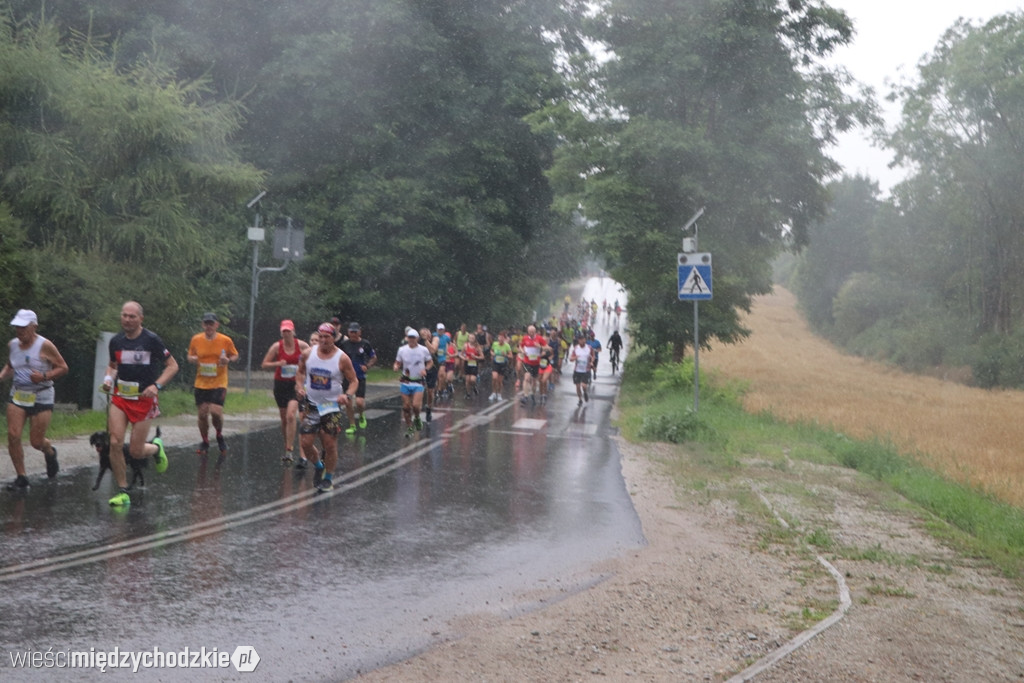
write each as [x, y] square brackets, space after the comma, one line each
[891, 38]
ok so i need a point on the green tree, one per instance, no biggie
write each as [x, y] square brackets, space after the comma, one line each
[722, 104]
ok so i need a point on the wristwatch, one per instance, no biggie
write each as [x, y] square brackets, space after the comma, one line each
[158, 386]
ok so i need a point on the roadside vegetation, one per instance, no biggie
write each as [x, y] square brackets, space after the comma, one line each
[723, 446]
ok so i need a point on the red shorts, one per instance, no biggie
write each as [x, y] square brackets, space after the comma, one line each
[139, 410]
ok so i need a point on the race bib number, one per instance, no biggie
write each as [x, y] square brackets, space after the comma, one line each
[471, 363]
[531, 352]
[328, 407]
[207, 369]
[128, 390]
[25, 399]
[543, 362]
[289, 371]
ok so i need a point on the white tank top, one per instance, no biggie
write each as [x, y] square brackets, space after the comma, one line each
[323, 380]
[24, 361]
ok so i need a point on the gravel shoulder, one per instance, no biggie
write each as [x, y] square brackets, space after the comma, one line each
[721, 585]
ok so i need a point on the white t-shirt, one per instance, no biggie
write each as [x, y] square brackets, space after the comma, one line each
[413, 361]
[582, 354]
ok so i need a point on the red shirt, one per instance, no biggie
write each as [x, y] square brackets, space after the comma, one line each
[531, 348]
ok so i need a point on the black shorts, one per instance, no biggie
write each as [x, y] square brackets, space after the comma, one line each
[499, 368]
[31, 411]
[214, 396]
[284, 392]
[470, 370]
[532, 369]
[360, 390]
[431, 377]
[581, 377]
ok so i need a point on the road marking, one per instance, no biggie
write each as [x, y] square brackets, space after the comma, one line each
[343, 483]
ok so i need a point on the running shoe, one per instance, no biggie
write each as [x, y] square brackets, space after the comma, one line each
[543, 399]
[586, 395]
[160, 457]
[121, 499]
[362, 422]
[204, 448]
[221, 444]
[286, 459]
[52, 468]
[318, 473]
[325, 485]
[430, 414]
[20, 483]
[351, 429]
[467, 395]
[302, 464]
[579, 403]
[523, 400]
[417, 423]
[410, 431]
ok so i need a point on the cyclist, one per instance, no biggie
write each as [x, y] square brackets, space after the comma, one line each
[615, 346]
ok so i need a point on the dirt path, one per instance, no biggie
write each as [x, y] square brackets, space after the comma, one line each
[722, 585]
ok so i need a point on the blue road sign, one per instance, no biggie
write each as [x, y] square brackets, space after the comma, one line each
[694, 277]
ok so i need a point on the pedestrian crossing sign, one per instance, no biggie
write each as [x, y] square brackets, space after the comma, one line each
[694, 277]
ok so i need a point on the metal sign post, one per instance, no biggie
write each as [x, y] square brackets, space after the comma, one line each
[694, 284]
[289, 247]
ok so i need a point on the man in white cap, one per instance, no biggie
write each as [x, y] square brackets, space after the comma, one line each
[34, 362]
[413, 361]
[445, 363]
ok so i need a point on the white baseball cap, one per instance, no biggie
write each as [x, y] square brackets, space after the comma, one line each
[409, 332]
[440, 326]
[24, 318]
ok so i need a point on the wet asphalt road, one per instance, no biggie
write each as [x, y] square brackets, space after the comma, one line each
[490, 503]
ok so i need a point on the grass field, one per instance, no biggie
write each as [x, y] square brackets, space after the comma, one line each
[970, 435]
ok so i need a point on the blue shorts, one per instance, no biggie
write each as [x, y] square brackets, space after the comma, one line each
[411, 388]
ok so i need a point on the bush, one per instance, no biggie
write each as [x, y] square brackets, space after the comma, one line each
[678, 428]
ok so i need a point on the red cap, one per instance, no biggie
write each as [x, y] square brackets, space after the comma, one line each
[326, 328]
[287, 325]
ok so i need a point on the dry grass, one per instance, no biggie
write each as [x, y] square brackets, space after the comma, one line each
[971, 435]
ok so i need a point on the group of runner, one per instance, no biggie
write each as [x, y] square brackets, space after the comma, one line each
[314, 383]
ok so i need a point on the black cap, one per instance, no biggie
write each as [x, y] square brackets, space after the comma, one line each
[354, 327]
[210, 318]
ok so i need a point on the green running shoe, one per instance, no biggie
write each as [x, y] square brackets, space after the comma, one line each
[160, 457]
[362, 422]
[121, 499]
[351, 429]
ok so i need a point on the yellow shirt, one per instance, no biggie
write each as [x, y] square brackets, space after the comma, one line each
[210, 374]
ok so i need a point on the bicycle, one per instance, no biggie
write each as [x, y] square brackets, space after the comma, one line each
[613, 357]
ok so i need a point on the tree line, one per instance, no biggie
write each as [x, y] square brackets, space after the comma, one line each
[447, 159]
[931, 276]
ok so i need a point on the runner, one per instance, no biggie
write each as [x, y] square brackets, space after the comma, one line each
[323, 371]
[460, 341]
[34, 362]
[445, 362]
[471, 355]
[580, 357]
[412, 361]
[545, 369]
[210, 351]
[283, 356]
[501, 350]
[529, 353]
[136, 380]
[430, 344]
[363, 358]
[594, 344]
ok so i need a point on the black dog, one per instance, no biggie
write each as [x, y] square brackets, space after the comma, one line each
[101, 442]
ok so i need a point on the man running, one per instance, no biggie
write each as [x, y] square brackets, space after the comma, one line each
[34, 362]
[595, 346]
[472, 355]
[136, 378]
[430, 343]
[363, 358]
[580, 357]
[445, 362]
[323, 371]
[283, 356]
[210, 351]
[412, 361]
[530, 349]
